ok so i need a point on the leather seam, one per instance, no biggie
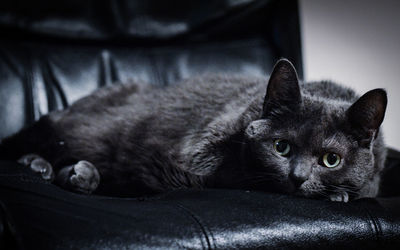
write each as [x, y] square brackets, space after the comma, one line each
[206, 232]
[51, 82]
[27, 83]
[376, 225]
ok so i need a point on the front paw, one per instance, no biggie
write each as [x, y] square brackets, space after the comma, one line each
[38, 165]
[83, 177]
[340, 197]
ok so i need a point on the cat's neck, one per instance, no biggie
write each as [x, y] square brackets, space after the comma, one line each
[233, 165]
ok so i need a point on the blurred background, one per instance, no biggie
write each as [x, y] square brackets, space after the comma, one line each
[356, 43]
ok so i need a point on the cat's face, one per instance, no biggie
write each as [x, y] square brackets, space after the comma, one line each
[314, 148]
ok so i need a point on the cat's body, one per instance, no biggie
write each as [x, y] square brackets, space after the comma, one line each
[215, 131]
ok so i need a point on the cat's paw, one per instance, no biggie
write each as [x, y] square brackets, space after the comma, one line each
[82, 177]
[38, 165]
[340, 197]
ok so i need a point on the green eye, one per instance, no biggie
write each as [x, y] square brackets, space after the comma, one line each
[331, 160]
[282, 147]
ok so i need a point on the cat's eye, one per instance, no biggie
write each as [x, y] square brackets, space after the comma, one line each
[331, 160]
[282, 147]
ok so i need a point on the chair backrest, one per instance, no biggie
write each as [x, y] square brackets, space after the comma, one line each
[54, 52]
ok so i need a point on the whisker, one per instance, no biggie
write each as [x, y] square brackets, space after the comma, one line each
[342, 188]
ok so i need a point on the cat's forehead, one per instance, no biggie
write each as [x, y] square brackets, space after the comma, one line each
[314, 112]
[317, 124]
[323, 109]
[326, 133]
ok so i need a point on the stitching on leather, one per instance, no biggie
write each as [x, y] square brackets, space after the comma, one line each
[376, 225]
[203, 228]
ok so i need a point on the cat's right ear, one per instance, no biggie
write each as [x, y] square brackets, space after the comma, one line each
[367, 113]
[283, 91]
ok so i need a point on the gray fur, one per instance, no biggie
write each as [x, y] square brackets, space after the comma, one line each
[218, 131]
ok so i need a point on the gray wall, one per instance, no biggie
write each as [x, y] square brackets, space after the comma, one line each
[356, 43]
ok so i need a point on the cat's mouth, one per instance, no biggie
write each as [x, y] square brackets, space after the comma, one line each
[287, 186]
[305, 189]
[305, 193]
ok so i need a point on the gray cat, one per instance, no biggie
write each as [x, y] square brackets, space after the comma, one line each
[316, 140]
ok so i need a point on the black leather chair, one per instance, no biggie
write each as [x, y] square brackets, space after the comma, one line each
[54, 52]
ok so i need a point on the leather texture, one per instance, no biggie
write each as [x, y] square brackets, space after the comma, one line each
[47, 217]
[54, 52]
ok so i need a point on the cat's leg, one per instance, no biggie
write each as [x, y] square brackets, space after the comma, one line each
[38, 165]
[82, 177]
[340, 197]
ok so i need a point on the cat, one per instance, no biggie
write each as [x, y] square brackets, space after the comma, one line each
[317, 140]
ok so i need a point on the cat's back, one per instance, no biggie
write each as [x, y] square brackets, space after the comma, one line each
[212, 92]
[195, 102]
[167, 111]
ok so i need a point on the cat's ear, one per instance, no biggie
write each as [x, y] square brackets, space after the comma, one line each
[283, 91]
[367, 113]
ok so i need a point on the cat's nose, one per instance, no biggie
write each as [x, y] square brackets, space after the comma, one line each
[297, 178]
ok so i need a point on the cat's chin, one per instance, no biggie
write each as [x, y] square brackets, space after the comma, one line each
[301, 191]
[288, 188]
[309, 194]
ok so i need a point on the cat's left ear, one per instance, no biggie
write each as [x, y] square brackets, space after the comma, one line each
[367, 113]
[283, 91]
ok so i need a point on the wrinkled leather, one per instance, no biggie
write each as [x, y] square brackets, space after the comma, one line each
[54, 52]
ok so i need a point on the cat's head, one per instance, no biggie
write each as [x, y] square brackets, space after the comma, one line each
[315, 147]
